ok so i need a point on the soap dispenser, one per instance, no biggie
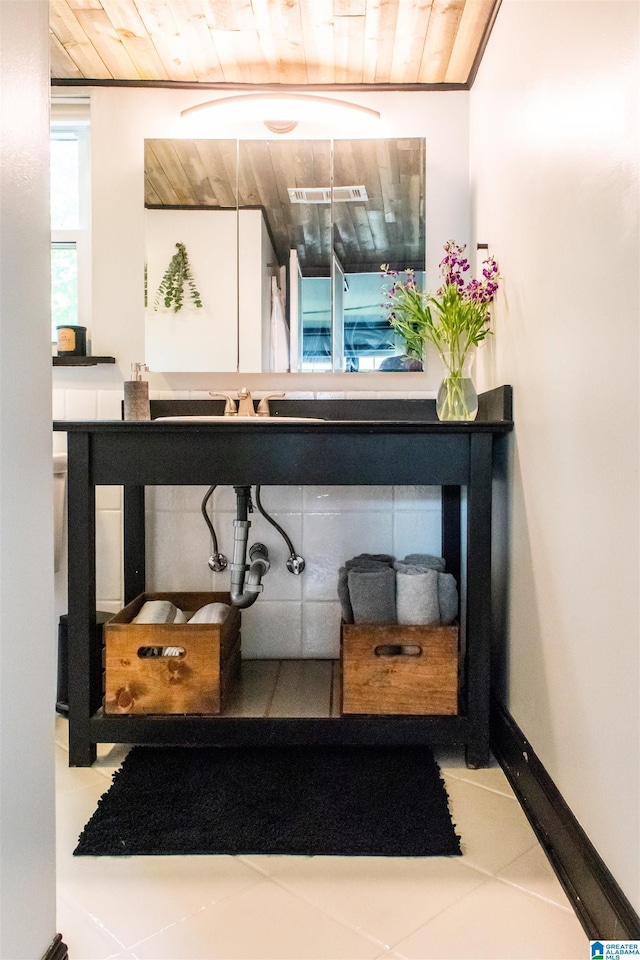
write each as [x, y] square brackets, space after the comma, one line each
[136, 394]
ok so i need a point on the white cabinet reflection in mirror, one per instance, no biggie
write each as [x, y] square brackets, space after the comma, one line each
[231, 331]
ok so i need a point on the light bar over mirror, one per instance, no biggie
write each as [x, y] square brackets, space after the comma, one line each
[279, 112]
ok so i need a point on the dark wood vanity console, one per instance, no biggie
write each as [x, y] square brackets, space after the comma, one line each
[370, 442]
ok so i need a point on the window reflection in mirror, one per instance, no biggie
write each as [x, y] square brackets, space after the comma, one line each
[315, 220]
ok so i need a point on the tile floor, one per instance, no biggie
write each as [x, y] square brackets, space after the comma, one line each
[499, 901]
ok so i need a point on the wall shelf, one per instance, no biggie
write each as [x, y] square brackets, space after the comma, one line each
[81, 361]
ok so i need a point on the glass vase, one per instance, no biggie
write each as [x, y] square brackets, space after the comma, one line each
[457, 397]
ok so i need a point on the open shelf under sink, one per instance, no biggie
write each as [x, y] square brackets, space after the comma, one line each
[286, 688]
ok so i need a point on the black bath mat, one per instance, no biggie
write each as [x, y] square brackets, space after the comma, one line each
[339, 800]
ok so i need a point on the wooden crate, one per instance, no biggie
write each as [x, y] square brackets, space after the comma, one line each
[196, 682]
[399, 669]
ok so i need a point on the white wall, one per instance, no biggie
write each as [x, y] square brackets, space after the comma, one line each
[554, 170]
[27, 634]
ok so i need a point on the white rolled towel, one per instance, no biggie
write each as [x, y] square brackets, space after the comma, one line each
[211, 613]
[424, 595]
[159, 611]
[417, 594]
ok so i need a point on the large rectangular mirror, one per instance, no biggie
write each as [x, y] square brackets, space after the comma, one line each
[284, 240]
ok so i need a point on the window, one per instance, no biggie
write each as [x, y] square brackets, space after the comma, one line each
[70, 216]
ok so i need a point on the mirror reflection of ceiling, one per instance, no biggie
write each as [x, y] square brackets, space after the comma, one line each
[298, 42]
[386, 225]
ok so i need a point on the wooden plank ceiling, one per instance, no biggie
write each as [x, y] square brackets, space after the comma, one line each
[300, 42]
[388, 226]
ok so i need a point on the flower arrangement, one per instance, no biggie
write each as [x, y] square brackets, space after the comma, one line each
[171, 290]
[455, 318]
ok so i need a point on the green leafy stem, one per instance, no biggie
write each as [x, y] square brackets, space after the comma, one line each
[171, 292]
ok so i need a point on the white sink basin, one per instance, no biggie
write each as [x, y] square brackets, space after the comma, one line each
[236, 419]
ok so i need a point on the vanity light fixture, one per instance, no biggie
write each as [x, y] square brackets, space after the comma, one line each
[280, 112]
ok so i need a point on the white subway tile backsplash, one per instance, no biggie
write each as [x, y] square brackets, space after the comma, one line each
[407, 394]
[224, 500]
[324, 499]
[332, 538]
[393, 395]
[108, 498]
[81, 405]
[281, 499]
[58, 404]
[187, 499]
[109, 554]
[272, 630]
[321, 629]
[110, 404]
[273, 498]
[416, 497]
[59, 444]
[417, 532]
[178, 547]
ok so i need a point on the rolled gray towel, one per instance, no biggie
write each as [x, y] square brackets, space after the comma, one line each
[364, 558]
[372, 594]
[417, 595]
[413, 568]
[356, 564]
[364, 561]
[426, 560]
[343, 595]
[447, 597]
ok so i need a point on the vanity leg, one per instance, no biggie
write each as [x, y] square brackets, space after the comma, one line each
[134, 542]
[476, 756]
[478, 633]
[83, 698]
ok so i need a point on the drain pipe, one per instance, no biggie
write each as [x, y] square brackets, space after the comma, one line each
[246, 579]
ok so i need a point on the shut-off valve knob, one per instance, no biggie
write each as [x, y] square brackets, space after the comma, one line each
[218, 562]
[295, 564]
